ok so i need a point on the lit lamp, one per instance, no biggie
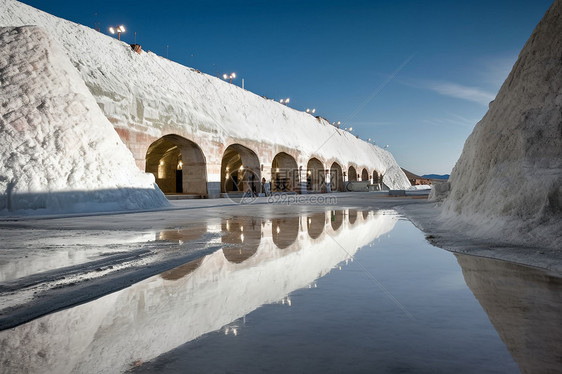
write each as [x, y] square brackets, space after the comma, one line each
[311, 111]
[118, 30]
[231, 76]
[285, 101]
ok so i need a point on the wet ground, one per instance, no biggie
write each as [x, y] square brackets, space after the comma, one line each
[297, 289]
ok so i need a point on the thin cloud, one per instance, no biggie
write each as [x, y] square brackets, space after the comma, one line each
[459, 91]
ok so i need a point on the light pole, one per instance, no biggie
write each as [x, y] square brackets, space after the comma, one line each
[231, 77]
[311, 111]
[118, 30]
[285, 101]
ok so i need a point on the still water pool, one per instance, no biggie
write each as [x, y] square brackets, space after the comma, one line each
[340, 291]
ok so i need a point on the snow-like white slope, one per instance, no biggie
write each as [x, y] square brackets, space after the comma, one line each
[507, 182]
[59, 151]
[157, 96]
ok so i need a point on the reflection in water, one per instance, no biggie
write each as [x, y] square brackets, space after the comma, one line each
[524, 306]
[352, 216]
[315, 223]
[245, 234]
[336, 219]
[284, 231]
[141, 322]
[183, 235]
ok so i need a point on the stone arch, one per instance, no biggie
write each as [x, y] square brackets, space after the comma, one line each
[240, 169]
[178, 164]
[284, 231]
[244, 235]
[315, 224]
[284, 173]
[365, 175]
[377, 178]
[315, 176]
[336, 177]
[351, 174]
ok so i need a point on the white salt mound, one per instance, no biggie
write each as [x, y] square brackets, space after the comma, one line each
[60, 153]
[507, 183]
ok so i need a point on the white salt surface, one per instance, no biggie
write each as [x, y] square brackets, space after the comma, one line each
[60, 153]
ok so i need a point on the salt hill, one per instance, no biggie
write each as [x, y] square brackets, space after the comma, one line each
[507, 182]
[170, 117]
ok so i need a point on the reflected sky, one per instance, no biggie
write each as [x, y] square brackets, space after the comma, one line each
[335, 291]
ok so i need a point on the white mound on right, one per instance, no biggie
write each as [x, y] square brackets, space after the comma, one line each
[507, 183]
[60, 154]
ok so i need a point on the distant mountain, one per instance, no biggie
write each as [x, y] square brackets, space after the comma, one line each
[436, 176]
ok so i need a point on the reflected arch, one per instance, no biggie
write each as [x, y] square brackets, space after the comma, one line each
[284, 231]
[351, 174]
[315, 224]
[336, 219]
[315, 176]
[244, 236]
[178, 165]
[336, 177]
[365, 175]
[352, 216]
[240, 170]
[284, 173]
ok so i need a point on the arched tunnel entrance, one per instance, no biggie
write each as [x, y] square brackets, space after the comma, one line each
[240, 170]
[365, 175]
[178, 164]
[315, 176]
[284, 173]
[351, 174]
[336, 177]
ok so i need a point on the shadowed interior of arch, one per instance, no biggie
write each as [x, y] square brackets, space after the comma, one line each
[336, 178]
[315, 176]
[240, 169]
[178, 164]
[284, 173]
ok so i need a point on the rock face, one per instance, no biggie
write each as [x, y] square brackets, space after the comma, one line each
[508, 179]
[59, 151]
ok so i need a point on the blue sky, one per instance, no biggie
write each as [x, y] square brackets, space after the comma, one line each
[412, 74]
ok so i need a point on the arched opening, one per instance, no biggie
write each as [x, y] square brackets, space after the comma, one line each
[315, 224]
[351, 174]
[284, 173]
[336, 177]
[284, 231]
[352, 216]
[336, 219]
[178, 164]
[244, 235]
[315, 176]
[377, 179]
[240, 170]
[365, 175]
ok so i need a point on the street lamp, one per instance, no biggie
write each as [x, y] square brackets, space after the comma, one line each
[231, 76]
[118, 30]
[285, 101]
[311, 111]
